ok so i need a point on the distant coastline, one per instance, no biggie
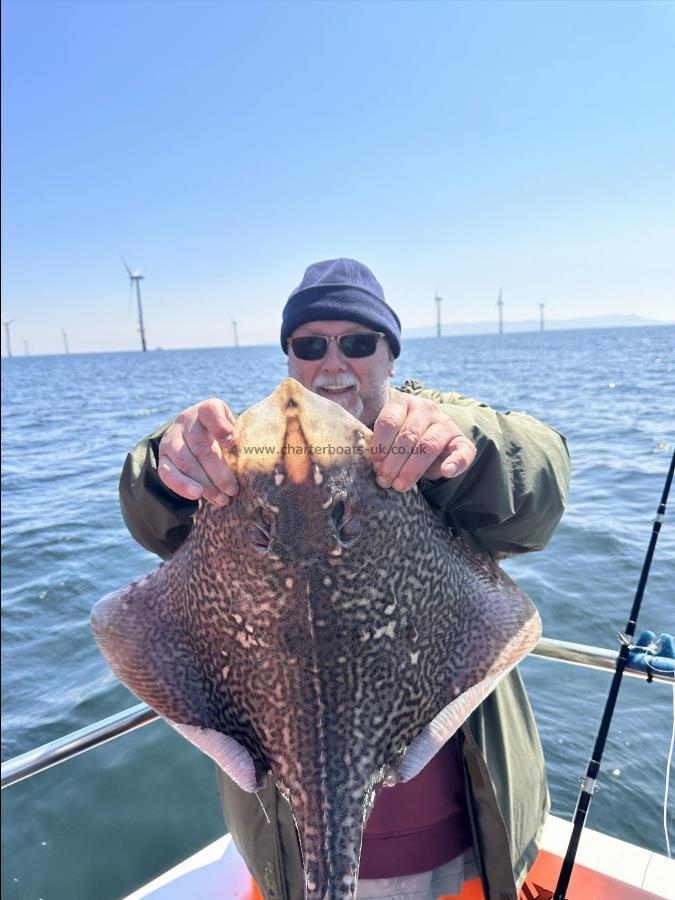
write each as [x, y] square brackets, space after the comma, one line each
[520, 325]
[449, 329]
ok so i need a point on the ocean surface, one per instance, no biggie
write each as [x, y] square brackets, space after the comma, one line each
[105, 822]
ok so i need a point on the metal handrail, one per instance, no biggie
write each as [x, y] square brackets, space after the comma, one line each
[70, 745]
[63, 748]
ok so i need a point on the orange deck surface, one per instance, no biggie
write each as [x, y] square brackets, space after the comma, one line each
[585, 884]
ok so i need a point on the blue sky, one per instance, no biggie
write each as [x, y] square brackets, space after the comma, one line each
[224, 146]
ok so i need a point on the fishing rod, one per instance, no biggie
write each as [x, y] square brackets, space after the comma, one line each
[589, 783]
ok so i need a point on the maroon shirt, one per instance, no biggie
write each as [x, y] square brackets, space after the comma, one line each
[418, 825]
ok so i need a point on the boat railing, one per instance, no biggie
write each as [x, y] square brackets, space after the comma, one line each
[98, 733]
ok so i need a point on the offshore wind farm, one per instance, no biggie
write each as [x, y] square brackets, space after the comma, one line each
[440, 329]
[500, 325]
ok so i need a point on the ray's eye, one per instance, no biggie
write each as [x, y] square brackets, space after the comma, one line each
[260, 530]
[350, 531]
[337, 513]
[347, 523]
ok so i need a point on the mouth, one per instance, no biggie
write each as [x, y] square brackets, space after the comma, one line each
[337, 394]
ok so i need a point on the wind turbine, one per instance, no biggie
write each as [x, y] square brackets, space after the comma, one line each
[500, 304]
[135, 278]
[438, 300]
[7, 337]
[65, 341]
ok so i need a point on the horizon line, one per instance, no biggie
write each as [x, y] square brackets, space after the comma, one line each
[425, 337]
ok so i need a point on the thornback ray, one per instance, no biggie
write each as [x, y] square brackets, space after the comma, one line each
[319, 630]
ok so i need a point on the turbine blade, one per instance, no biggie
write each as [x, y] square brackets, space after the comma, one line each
[125, 263]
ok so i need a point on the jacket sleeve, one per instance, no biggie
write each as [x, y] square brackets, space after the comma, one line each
[513, 496]
[157, 518]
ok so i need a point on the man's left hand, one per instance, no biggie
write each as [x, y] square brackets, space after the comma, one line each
[413, 439]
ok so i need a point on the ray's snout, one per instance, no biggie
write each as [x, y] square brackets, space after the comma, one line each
[299, 454]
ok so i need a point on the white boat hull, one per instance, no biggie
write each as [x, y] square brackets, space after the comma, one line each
[606, 869]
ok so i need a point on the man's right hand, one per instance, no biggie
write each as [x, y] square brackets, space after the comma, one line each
[191, 462]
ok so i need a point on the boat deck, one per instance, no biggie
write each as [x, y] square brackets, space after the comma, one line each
[606, 869]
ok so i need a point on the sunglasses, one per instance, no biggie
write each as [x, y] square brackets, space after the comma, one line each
[355, 345]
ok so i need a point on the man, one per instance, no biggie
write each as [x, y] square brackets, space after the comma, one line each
[499, 481]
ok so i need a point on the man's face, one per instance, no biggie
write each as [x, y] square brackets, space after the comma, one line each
[361, 386]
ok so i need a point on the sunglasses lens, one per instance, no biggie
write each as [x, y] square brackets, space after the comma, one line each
[358, 345]
[354, 346]
[310, 348]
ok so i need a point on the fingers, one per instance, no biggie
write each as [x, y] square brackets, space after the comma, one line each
[457, 457]
[190, 456]
[412, 439]
[184, 486]
[386, 427]
[416, 464]
[218, 420]
[202, 451]
[403, 441]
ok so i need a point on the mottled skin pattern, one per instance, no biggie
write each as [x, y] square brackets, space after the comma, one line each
[322, 622]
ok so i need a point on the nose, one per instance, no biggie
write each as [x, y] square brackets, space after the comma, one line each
[334, 361]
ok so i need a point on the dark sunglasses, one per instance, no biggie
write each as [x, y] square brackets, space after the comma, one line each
[354, 345]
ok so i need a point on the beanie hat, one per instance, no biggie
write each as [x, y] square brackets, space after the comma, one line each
[338, 289]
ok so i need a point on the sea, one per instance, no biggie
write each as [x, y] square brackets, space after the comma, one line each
[103, 823]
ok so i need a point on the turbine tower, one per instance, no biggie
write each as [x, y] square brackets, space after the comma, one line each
[438, 300]
[500, 304]
[8, 341]
[541, 317]
[65, 341]
[236, 336]
[135, 278]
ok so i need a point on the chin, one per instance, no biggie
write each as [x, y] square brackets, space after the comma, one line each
[352, 405]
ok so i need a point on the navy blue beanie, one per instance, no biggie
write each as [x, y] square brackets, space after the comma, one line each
[338, 289]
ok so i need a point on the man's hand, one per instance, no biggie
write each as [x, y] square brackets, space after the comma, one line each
[413, 439]
[190, 457]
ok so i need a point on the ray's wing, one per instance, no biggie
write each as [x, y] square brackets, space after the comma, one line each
[498, 627]
[148, 648]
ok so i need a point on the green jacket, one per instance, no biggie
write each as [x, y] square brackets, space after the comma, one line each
[508, 502]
